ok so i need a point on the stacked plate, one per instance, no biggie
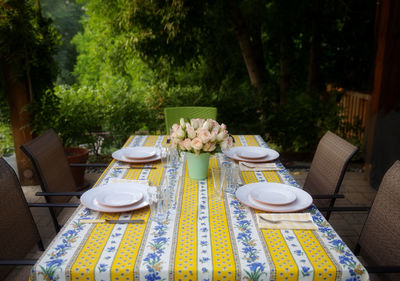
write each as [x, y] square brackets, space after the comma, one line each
[273, 197]
[116, 197]
[255, 154]
[137, 154]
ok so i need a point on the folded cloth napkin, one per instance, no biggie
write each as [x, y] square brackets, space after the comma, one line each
[246, 166]
[286, 221]
[118, 180]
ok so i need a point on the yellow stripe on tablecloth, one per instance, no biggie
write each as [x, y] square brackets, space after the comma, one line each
[133, 174]
[84, 266]
[271, 176]
[237, 141]
[248, 177]
[151, 141]
[125, 258]
[251, 140]
[154, 177]
[283, 261]
[224, 267]
[324, 268]
[185, 267]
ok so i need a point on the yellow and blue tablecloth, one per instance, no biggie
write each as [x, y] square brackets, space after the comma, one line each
[202, 239]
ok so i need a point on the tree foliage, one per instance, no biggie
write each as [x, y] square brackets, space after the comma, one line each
[28, 42]
[153, 54]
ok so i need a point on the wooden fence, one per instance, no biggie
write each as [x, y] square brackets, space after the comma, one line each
[354, 114]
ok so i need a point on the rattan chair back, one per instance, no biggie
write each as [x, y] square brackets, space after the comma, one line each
[51, 164]
[380, 236]
[328, 167]
[18, 231]
[174, 114]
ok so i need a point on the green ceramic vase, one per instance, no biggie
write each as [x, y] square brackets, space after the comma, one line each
[198, 165]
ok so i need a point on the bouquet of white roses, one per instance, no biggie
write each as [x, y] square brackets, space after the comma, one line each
[200, 135]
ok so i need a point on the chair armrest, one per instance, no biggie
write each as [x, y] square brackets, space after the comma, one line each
[345, 209]
[383, 269]
[77, 193]
[62, 205]
[327, 196]
[18, 262]
[95, 165]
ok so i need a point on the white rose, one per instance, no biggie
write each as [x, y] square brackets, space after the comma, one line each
[197, 144]
[223, 127]
[210, 146]
[180, 134]
[181, 145]
[224, 144]
[216, 128]
[201, 122]
[182, 122]
[207, 125]
[222, 135]
[191, 132]
[195, 123]
[204, 135]
[213, 136]
[174, 127]
[174, 143]
[187, 144]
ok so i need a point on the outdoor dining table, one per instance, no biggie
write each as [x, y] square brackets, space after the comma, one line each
[202, 238]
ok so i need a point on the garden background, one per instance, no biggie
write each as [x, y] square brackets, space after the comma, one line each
[110, 67]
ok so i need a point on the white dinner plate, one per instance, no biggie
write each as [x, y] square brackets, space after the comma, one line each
[120, 156]
[252, 152]
[273, 194]
[303, 199]
[235, 152]
[111, 198]
[88, 199]
[139, 152]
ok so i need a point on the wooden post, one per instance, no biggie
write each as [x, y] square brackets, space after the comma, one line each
[386, 87]
[17, 92]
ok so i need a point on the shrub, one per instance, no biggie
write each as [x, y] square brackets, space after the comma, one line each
[299, 124]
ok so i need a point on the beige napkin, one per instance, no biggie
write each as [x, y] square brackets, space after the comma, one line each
[292, 221]
[246, 166]
[117, 180]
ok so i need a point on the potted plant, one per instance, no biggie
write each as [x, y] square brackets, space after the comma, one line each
[199, 138]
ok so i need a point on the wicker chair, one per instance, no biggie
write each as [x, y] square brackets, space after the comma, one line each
[18, 230]
[51, 165]
[380, 236]
[327, 170]
[173, 114]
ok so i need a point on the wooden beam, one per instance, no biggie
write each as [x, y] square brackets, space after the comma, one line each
[17, 92]
[386, 87]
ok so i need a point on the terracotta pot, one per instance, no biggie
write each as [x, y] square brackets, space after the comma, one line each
[78, 155]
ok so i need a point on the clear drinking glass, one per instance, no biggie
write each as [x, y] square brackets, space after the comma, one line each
[158, 201]
[219, 182]
[236, 179]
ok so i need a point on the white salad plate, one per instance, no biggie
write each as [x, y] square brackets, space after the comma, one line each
[238, 152]
[112, 198]
[121, 155]
[89, 198]
[273, 194]
[139, 152]
[303, 199]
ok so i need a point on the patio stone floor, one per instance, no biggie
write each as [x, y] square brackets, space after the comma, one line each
[348, 225]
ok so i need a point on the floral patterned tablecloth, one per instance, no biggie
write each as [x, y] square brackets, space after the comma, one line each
[202, 239]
